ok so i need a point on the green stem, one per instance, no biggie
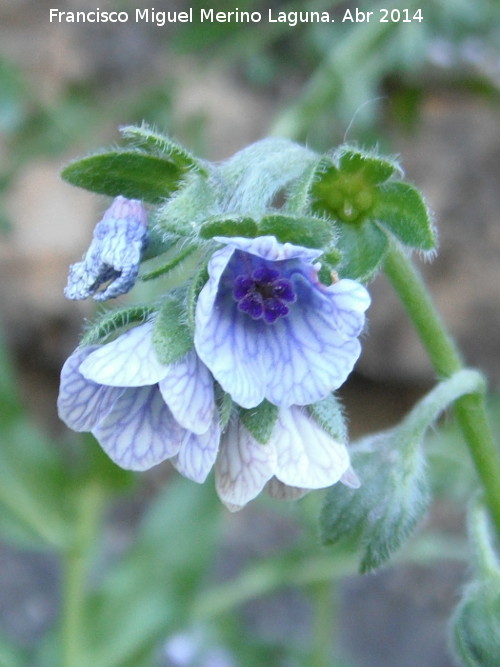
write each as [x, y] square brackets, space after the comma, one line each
[324, 624]
[446, 360]
[486, 561]
[75, 570]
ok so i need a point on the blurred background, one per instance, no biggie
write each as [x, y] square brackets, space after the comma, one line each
[174, 579]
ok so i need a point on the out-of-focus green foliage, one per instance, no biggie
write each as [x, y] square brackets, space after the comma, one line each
[328, 81]
[352, 71]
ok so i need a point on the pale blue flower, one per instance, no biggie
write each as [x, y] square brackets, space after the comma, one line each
[300, 456]
[268, 329]
[114, 254]
[140, 410]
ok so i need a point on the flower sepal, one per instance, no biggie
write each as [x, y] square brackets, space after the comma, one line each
[302, 230]
[329, 414]
[306, 231]
[260, 421]
[113, 322]
[172, 337]
[359, 193]
[344, 184]
[224, 225]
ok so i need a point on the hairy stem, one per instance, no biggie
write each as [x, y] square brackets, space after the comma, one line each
[446, 360]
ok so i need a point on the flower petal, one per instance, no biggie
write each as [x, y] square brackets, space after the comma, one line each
[198, 453]
[215, 333]
[351, 300]
[229, 344]
[350, 479]
[188, 390]
[128, 361]
[308, 354]
[81, 403]
[268, 247]
[307, 456]
[140, 431]
[243, 466]
[280, 491]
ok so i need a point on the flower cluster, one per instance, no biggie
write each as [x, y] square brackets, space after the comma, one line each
[266, 329]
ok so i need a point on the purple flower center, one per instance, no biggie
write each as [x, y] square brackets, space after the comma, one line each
[263, 294]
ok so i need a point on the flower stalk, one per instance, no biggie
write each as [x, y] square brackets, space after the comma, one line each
[446, 360]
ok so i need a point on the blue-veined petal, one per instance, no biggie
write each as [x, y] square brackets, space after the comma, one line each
[140, 431]
[228, 342]
[306, 356]
[128, 361]
[197, 454]
[280, 491]
[351, 300]
[268, 247]
[306, 456]
[243, 466]
[188, 390]
[81, 403]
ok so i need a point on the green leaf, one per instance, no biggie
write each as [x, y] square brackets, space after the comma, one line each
[260, 421]
[228, 226]
[394, 493]
[363, 249]
[113, 321]
[330, 416]
[129, 173]
[300, 230]
[400, 208]
[147, 139]
[171, 336]
[373, 168]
